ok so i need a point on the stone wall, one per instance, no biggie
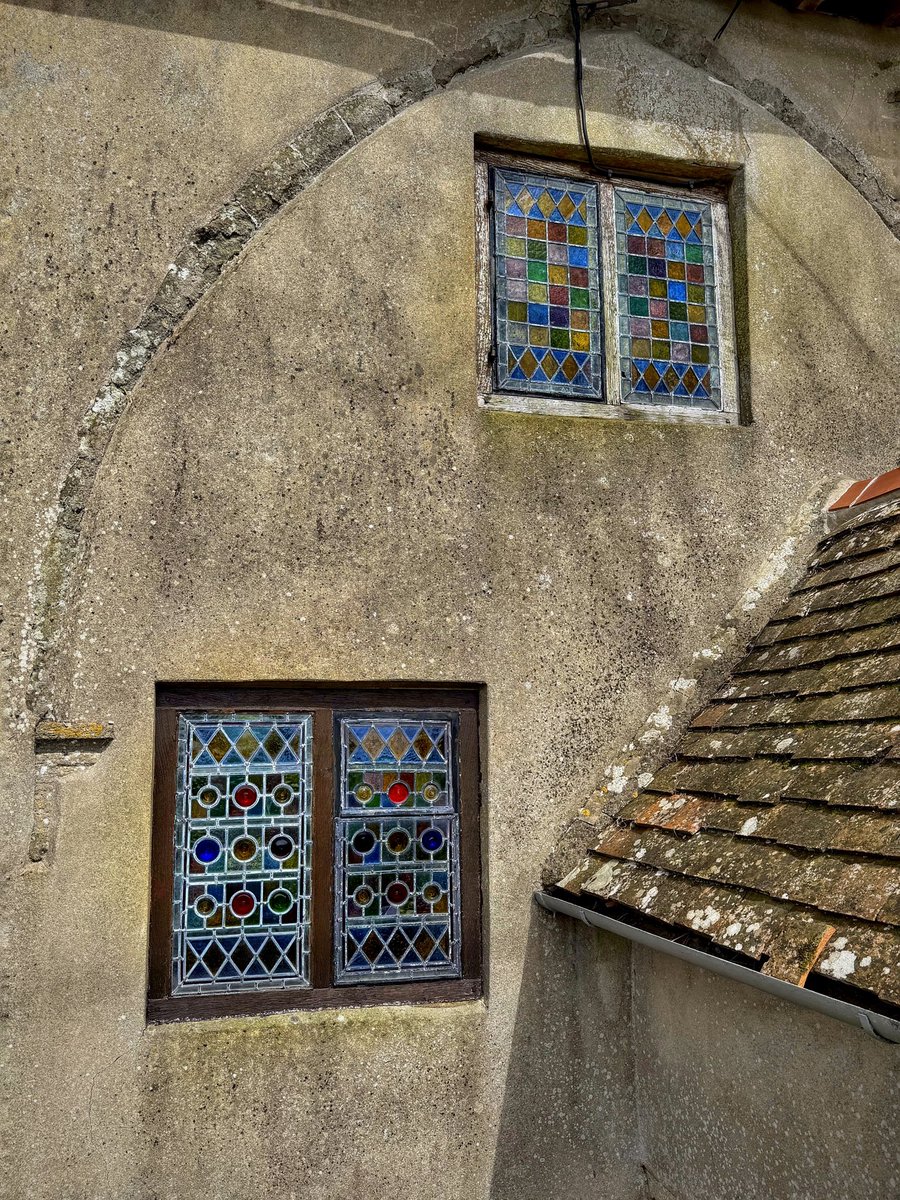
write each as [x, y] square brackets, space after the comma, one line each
[296, 483]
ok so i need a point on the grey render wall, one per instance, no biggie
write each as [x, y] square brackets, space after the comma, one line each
[743, 1097]
[302, 487]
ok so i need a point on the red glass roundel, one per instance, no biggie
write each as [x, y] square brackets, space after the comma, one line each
[243, 904]
[245, 796]
[398, 792]
[397, 892]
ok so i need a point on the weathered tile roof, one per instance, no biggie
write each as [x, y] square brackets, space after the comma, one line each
[774, 836]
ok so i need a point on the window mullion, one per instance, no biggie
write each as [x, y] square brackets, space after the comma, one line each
[610, 296]
[322, 917]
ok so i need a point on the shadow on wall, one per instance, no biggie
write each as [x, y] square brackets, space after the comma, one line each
[746, 1097]
[702, 1088]
[567, 1124]
[307, 29]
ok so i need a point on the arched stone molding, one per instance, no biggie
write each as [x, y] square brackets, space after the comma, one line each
[217, 243]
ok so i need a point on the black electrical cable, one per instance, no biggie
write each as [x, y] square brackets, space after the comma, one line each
[575, 9]
[727, 21]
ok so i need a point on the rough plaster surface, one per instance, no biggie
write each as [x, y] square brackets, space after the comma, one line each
[805, 1111]
[333, 132]
[302, 487]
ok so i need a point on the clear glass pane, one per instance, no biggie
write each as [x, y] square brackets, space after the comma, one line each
[396, 850]
[667, 300]
[547, 285]
[242, 852]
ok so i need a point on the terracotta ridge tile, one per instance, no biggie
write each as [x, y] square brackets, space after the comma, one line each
[846, 499]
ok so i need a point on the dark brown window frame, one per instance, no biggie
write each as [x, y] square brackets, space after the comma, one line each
[326, 702]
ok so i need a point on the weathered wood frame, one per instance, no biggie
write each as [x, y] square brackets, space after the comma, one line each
[611, 405]
[326, 702]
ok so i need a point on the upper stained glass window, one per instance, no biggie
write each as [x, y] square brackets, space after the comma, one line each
[667, 302]
[396, 857]
[547, 291]
[600, 294]
[242, 852]
[316, 852]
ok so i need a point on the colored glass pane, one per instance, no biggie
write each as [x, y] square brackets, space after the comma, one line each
[545, 231]
[242, 852]
[396, 851]
[664, 251]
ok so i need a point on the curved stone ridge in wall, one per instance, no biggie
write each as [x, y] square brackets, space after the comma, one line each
[325, 139]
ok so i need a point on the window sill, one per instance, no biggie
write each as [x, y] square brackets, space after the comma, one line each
[272, 1000]
[660, 414]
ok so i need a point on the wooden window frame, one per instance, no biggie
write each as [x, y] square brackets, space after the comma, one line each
[327, 702]
[610, 406]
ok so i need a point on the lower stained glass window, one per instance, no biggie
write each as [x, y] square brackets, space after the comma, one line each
[318, 846]
[397, 836]
[242, 852]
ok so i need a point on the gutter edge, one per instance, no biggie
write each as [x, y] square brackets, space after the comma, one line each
[884, 1029]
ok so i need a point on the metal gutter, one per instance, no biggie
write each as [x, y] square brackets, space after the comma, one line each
[884, 1028]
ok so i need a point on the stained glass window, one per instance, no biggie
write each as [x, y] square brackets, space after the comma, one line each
[598, 294]
[547, 285]
[667, 303]
[242, 852]
[396, 858]
[313, 845]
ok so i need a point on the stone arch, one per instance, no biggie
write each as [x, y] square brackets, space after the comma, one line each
[217, 243]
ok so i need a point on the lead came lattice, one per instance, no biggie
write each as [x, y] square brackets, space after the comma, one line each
[396, 851]
[546, 290]
[242, 852]
[669, 342]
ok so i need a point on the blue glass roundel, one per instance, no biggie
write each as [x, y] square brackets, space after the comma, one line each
[432, 840]
[207, 850]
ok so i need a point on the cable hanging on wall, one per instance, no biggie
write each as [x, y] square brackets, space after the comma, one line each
[575, 9]
[727, 21]
[588, 8]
